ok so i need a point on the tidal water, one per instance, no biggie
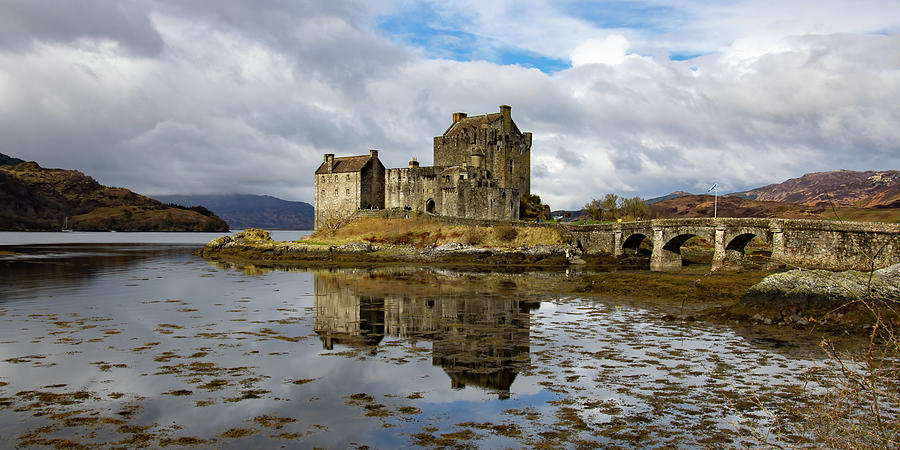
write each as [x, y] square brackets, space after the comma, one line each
[140, 343]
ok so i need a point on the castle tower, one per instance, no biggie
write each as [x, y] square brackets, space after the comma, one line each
[506, 151]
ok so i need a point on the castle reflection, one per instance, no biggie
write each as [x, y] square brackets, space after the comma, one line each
[478, 328]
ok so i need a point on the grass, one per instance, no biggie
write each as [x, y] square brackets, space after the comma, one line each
[889, 215]
[420, 231]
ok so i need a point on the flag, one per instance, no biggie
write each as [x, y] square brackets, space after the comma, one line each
[713, 187]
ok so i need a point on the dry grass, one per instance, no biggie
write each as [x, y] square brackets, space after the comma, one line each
[420, 231]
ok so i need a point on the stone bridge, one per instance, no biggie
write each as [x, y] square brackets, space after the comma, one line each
[822, 244]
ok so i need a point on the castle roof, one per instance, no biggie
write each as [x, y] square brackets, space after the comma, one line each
[345, 164]
[473, 122]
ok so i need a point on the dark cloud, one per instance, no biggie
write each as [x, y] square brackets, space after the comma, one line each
[25, 23]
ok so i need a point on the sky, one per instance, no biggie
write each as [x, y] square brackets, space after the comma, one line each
[638, 98]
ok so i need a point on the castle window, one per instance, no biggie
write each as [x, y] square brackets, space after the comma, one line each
[335, 192]
[348, 191]
[348, 176]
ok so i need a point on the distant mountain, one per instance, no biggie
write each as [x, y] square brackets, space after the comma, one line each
[675, 194]
[870, 189]
[35, 198]
[251, 211]
[572, 213]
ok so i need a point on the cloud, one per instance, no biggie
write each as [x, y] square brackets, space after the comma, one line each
[25, 23]
[226, 96]
[610, 50]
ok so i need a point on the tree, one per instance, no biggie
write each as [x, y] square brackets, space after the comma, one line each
[610, 204]
[634, 207]
[594, 209]
[530, 207]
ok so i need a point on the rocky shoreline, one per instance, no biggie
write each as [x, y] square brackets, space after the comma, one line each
[257, 245]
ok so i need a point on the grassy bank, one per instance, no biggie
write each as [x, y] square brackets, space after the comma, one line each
[421, 231]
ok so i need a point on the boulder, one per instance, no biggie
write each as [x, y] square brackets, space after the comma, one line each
[820, 288]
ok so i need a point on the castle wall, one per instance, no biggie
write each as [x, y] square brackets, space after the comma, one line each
[473, 200]
[411, 187]
[337, 195]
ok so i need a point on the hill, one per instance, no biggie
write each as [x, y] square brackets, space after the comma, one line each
[733, 206]
[870, 189]
[33, 198]
[251, 211]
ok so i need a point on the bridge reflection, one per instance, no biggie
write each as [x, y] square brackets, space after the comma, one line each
[477, 339]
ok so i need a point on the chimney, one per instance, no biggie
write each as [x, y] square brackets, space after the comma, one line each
[373, 154]
[507, 117]
[413, 162]
[329, 162]
[457, 116]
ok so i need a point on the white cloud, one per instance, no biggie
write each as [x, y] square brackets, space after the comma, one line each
[610, 50]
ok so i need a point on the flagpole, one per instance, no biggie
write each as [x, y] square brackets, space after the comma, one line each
[716, 202]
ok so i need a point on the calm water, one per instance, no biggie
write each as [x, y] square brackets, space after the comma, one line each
[142, 343]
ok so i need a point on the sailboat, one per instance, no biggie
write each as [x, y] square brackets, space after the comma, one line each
[66, 226]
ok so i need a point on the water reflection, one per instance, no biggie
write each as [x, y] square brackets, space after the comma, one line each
[124, 348]
[478, 340]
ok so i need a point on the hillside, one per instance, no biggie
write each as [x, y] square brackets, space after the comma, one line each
[251, 211]
[870, 189]
[731, 206]
[33, 198]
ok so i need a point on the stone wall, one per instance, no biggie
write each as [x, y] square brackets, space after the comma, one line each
[836, 245]
[337, 194]
[341, 194]
[411, 187]
[485, 202]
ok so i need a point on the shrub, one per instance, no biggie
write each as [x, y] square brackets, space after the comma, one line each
[505, 233]
[473, 236]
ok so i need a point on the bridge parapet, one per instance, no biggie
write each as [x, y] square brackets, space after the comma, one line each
[824, 244]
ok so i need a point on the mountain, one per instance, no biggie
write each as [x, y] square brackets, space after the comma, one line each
[675, 194]
[251, 211]
[870, 189]
[734, 206]
[33, 198]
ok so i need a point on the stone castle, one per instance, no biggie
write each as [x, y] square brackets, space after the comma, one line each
[482, 168]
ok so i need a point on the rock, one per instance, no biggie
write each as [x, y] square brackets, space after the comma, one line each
[356, 247]
[252, 236]
[821, 288]
[449, 247]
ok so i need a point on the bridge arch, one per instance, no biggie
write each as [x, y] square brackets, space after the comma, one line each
[632, 244]
[667, 244]
[732, 249]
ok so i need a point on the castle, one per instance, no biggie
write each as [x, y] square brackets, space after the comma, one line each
[482, 168]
